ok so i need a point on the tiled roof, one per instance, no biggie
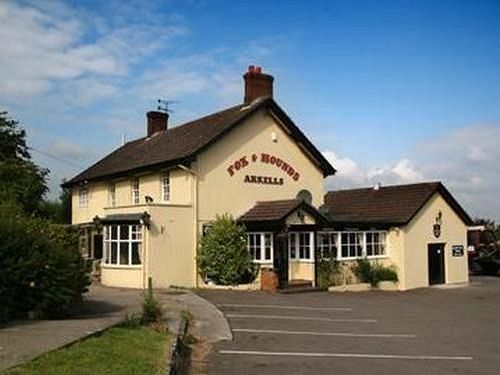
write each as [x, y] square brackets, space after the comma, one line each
[271, 210]
[395, 205]
[182, 143]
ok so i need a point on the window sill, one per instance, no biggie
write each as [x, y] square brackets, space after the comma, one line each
[263, 262]
[121, 266]
[301, 260]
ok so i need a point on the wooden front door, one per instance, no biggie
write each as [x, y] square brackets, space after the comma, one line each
[281, 258]
[435, 258]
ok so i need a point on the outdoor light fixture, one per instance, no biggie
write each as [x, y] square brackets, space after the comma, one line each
[145, 219]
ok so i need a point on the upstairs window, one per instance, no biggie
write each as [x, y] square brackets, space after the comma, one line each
[135, 191]
[165, 187]
[83, 197]
[112, 195]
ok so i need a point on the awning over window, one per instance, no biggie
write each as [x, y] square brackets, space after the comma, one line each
[134, 218]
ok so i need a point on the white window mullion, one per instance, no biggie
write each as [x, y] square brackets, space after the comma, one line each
[364, 253]
[312, 248]
[130, 244]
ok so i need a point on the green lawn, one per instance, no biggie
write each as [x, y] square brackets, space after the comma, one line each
[119, 350]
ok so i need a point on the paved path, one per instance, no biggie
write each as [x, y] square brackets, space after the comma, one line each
[21, 341]
[426, 331]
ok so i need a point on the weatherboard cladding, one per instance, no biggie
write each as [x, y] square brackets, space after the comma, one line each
[182, 143]
[395, 205]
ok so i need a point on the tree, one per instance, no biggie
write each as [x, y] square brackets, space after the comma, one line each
[21, 181]
[223, 257]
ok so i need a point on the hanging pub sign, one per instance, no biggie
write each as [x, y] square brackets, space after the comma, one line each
[457, 250]
[437, 230]
[263, 158]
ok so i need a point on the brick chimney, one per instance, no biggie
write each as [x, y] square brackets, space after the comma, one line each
[157, 122]
[257, 84]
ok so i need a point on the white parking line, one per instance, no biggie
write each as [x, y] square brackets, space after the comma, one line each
[287, 307]
[338, 320]
[349, 355]
[337, 334]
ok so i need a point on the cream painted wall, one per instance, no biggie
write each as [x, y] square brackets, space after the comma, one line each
[122, 277]
[149, 185]
[419, 233]
[220, 193]
[172, 247]
[395, 246]
[300, 270]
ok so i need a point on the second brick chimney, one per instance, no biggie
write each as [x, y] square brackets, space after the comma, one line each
[257, 84]
[157, 122]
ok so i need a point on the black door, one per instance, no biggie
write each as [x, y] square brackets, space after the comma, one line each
[281, 259]
[435, 256]
[97, 246]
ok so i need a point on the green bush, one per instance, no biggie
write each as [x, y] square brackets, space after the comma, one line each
[223, 255]
[42, 271]
[329, 273]
[151, 308]
[374, 273]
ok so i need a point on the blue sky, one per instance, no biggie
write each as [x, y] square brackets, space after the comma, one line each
[390, 91]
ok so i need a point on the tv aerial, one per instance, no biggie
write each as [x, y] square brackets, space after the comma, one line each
[164, 105]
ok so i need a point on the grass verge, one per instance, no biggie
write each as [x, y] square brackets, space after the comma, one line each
[118, 350]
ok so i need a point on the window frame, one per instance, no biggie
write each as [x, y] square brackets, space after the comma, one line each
[380, 243]
[108, 240]
[320, 245]
[112, 194]
[262, 245]
[294, 252]
[165, 176]
[364, 244]
[83, 196]
[135, 190]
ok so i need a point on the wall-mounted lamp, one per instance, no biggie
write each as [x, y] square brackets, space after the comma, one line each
[145, 219]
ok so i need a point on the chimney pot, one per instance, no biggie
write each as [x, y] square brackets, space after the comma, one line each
[157, 122]
[257, 84]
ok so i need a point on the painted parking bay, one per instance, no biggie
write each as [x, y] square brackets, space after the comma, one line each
[318, 334]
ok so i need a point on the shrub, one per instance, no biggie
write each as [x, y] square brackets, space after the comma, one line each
[223, 255]
[374, 273]
[42, 271]
[329, 273]
[151, 307]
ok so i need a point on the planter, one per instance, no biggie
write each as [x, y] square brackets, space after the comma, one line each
[361, 287]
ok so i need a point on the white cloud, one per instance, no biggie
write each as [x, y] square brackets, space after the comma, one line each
[47, 42]
[465, 160]
[351, 174]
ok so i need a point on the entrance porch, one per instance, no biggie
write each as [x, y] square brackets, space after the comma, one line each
[282, 237]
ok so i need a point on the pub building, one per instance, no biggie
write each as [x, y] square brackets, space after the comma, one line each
[144, 207]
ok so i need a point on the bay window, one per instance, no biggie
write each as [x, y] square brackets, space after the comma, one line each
[301, 245]
[260, 247]
[352, 244]
[122, 245]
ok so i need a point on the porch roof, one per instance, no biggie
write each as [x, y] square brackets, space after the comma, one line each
[278, 210]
